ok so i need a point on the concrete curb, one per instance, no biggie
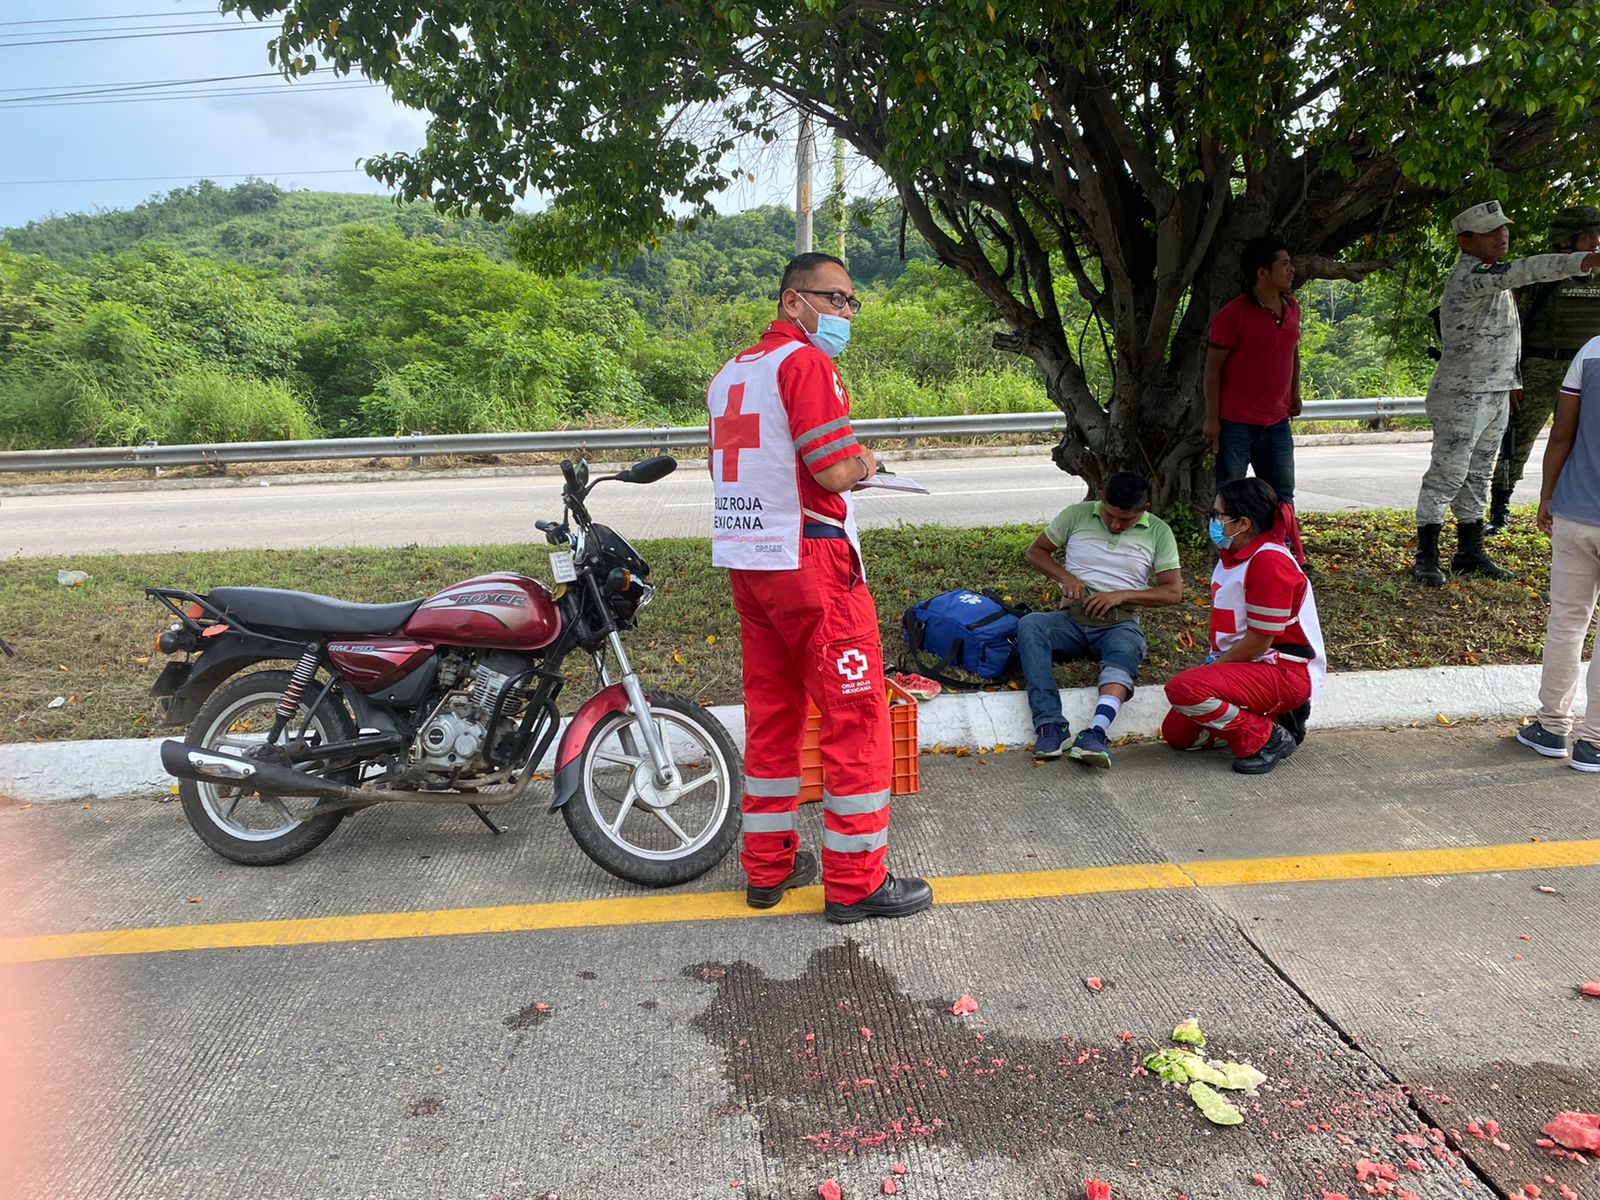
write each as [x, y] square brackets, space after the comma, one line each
[63, 772]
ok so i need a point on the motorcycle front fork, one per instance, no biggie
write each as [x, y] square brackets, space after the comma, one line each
[639, 705]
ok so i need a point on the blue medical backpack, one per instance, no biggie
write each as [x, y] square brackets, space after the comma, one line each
[974, 632]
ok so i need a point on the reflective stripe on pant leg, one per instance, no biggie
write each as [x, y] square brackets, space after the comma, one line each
[775, 723]
[1201, 694]
[847, 686]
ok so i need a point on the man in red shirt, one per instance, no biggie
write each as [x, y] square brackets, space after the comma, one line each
[1252, 382]
[783, 460]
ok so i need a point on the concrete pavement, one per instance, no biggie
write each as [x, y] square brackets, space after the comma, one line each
[1422, 983]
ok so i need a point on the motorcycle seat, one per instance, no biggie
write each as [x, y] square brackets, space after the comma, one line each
[281, 609]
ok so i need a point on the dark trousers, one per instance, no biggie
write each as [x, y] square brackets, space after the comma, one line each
[1267, 448]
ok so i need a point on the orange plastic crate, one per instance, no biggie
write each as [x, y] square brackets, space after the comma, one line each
[902, 736]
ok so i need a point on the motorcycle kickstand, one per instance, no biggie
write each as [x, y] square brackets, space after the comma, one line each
[497, 830]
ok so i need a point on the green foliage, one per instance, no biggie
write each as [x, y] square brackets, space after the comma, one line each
[380, 329]
[209, 405]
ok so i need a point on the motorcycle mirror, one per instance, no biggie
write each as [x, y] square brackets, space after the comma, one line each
[580, 472]
[649, 470]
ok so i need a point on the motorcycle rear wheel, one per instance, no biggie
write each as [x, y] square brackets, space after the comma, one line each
[639, 832]
[256, 830]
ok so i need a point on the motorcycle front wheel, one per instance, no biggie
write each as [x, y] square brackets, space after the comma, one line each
[626, 822]
[251, 828]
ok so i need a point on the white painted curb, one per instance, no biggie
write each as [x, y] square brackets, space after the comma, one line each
[58, 772]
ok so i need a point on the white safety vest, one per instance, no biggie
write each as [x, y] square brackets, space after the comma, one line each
[755, 471]
[1227, 594]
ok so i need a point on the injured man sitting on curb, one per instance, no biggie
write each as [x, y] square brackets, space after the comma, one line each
[1115, 559]
[1266, 661]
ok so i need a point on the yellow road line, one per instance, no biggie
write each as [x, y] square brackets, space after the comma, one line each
[660, 908]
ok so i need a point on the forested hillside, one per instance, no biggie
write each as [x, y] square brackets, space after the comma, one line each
[246, 313]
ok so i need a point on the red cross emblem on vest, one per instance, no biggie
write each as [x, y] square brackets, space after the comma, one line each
[734, 431]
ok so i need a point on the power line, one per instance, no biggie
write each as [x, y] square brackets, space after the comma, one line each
[112, 89]
[218, 94]
[176, 178]
[128, 37]
[177, 12]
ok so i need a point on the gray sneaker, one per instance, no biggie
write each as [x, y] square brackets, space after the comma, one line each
[1585, 756]
[1551, 745]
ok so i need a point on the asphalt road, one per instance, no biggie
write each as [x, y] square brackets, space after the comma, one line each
[416, 510]
[1390, 926]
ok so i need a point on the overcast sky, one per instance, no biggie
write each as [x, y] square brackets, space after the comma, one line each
[307, 134]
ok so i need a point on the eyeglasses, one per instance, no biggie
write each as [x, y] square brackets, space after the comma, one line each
[1226, 516]
[837, 299]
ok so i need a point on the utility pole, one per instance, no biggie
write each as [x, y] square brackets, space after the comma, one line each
[836, 205]
[804, 153]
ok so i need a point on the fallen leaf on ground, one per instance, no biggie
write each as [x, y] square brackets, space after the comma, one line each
[1096, 1189]
[964, 1006]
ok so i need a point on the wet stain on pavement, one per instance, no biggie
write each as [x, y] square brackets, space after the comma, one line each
[841, 1060]
[529, 1016]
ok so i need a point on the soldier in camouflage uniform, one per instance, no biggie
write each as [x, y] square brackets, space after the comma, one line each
[1469, 398]
[1557, 319]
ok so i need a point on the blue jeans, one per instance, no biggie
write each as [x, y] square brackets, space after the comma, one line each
[1267, 448]
[1042, 638]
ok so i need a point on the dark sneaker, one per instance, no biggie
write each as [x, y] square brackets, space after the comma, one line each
[1091, 747]
[1537, 737]
[895, 898]
[1585, 756]
[805, 870]
[1279, 746]
[1048, 741]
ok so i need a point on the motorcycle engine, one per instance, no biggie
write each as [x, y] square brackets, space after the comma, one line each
[452, 740]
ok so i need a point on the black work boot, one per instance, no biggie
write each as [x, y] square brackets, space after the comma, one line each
[1499, 513]
[1470, 558]
[896, 897]
[804, 871]
[1426, 568]
[1280, 744]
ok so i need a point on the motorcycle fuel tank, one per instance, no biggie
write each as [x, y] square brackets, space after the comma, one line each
[499, 612]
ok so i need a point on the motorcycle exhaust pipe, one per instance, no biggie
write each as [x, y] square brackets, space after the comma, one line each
[207, 766]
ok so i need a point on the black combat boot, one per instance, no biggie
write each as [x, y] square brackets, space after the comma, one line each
[1499, 513]
[1470, 558]
[1426, 568]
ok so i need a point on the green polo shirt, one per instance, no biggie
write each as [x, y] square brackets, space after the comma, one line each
[1110, 562]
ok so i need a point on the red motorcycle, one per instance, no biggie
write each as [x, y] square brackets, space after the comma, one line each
[447, 700]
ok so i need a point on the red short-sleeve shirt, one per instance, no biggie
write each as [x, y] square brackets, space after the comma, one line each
[1258, 376]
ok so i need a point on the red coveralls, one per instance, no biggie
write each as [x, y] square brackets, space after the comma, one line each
[1234, 702]
[808, 622]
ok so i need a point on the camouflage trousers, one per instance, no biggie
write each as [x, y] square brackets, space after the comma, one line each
[1541, 384]
[1467, 427]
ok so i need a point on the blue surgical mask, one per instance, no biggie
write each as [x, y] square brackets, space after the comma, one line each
[832, 332]
[1218, 539]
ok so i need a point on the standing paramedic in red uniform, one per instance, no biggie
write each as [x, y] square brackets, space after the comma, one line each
[783, 461]
[1267, 661]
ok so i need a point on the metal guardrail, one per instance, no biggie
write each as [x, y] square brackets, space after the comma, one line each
[664, 437]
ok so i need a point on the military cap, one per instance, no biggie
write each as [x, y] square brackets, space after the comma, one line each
[1571, 222]
[1480, 218]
